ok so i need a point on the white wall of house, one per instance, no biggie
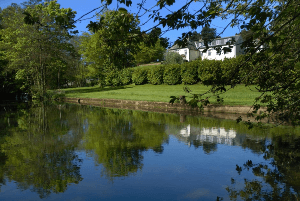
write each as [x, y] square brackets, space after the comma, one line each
[184, 51]
[190, 55]
[211, 53]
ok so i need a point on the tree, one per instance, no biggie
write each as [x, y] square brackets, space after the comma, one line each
[91, 56]
[152, 47]
[36, 42]
[195, 36]
[112, 26]
[149, 54]
[9, 84]
[208, 35]
[246, 35]
[173, 58]
[111, 44]
[79, 72]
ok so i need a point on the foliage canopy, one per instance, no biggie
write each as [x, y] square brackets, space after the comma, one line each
[35, 41]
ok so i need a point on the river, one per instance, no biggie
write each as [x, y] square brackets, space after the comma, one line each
[80, 152]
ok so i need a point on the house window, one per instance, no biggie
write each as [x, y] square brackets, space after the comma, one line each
[209, 52]
[218, 42]
[226, 40]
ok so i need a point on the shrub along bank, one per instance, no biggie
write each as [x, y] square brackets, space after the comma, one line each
[207, 72]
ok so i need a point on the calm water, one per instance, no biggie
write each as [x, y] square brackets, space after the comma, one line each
[73, 152]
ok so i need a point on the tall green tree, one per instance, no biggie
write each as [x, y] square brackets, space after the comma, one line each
[115, 37]
[111, 44]
[208, 34]
[150, 53]
[36, 41]
[92, 60]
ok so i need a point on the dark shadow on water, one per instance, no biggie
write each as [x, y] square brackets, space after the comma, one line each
[98, 89]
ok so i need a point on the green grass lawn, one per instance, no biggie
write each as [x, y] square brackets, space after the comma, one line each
[240, 95]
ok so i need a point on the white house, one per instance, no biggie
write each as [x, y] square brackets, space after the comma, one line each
[188, 53]
[211, 53]
[195, 49]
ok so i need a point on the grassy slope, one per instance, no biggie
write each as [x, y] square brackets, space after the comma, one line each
[240, 95]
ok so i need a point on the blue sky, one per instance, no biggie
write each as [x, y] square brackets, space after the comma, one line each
[84, 6]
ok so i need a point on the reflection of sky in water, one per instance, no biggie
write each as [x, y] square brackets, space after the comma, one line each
[190, 163]
[179, 173]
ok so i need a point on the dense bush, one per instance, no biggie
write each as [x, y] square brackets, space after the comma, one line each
[126, 76]
[155, 74]
[172, 74]
[173, 58]
[139, 76]
[113, 78]
[215, 72]
[189, 72]
[245, 70]
[210, 72]
[229, 67]
[112, 75]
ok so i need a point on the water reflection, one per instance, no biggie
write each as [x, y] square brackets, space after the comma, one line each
[280, 178]
[212, 135]
[38, 153]
[41, 150]
[117, 139]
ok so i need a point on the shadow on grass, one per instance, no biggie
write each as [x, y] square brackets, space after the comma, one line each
[95, 89]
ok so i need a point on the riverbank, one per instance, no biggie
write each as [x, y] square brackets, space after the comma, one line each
[155, 98]
[215, 111]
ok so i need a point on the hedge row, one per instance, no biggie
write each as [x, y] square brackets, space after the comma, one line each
[208, 72]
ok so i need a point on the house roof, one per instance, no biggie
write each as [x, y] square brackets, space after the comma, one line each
[191, 45]
[194, 45]
[221, 41]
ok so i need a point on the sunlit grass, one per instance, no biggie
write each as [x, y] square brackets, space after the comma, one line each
[240, 95]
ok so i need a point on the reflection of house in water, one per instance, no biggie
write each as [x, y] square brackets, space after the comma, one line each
[185, 132]
[208, 138]
[217, 135]
[213, 135]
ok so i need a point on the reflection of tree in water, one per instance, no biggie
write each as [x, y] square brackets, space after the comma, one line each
[257, 146]
[118, 138]
[40, 152]
[280, 178]
[208, 147]
[3, 159]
